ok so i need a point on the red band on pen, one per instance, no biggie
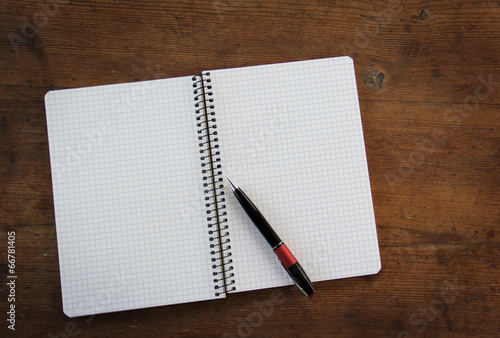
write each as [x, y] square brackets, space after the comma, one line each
[285, 256]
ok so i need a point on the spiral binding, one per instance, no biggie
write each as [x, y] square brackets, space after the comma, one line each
[218, 228]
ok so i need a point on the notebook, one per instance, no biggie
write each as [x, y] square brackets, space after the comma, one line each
[144, 216]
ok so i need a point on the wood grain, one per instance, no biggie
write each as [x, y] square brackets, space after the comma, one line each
[428, 82]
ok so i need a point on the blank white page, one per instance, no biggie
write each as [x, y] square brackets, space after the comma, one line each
[128, 195]
[291, 138]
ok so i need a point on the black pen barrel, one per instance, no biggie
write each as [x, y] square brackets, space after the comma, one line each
[258, 219]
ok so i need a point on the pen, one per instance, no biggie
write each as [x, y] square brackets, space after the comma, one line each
[286, 258]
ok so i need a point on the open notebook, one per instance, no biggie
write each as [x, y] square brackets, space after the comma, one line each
[143, 215]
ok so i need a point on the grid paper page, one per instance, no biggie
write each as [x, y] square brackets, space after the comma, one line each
[128, 196]
[291, 138]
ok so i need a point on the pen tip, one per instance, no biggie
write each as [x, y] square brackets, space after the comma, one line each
[231, 184]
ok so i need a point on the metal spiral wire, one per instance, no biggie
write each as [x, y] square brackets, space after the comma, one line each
[211, 168]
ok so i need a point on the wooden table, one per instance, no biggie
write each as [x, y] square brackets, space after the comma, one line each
[429, 83]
